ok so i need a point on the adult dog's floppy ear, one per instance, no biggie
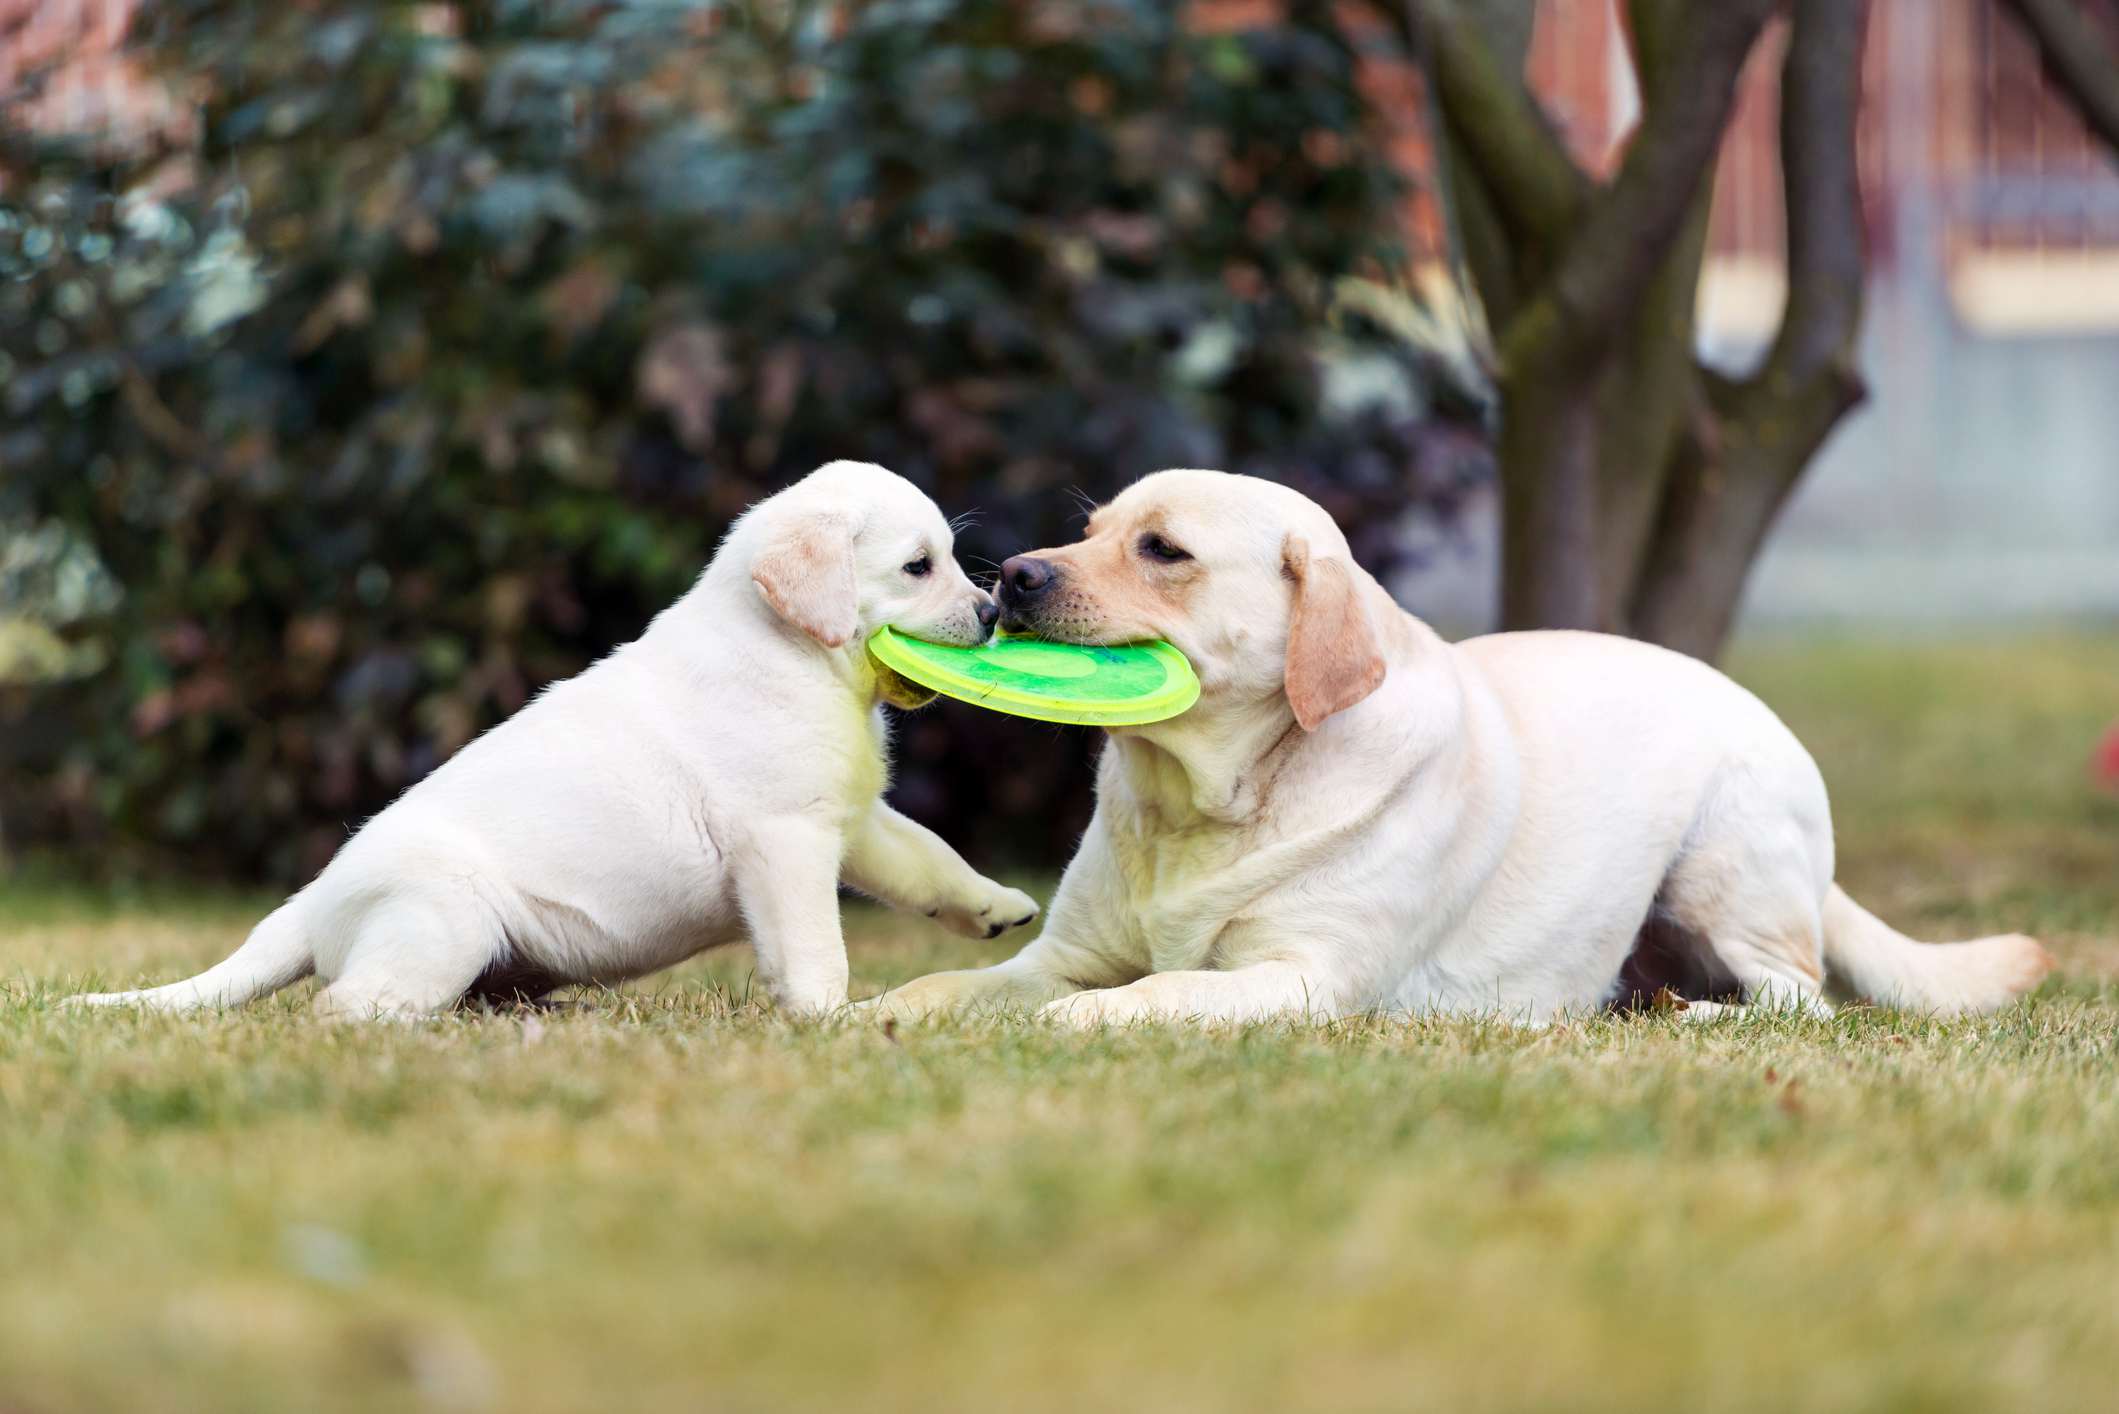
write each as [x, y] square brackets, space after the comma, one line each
[805, 571]
[1334, 659]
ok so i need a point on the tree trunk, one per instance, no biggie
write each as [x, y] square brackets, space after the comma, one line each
[1763, 432]
[1638, 488]
[1650, 397]
[1722, 501]
[1550, 572]
[1651, 394]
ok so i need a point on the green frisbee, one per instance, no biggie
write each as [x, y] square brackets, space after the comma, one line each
[1126, 686]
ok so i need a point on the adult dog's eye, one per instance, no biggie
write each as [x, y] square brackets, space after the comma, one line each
[1157, 548]
[920, 568]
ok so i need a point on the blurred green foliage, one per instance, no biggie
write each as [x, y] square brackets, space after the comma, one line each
[439, 359]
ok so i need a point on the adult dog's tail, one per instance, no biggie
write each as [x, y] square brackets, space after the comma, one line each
[1880, 964]
[275, 955]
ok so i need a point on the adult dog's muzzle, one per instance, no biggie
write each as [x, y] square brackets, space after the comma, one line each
[1025, 581]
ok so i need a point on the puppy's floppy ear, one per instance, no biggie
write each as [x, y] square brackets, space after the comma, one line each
[805, 571]
[1334, 658]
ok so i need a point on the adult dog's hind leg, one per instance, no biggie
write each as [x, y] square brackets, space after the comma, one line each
[1748, 889]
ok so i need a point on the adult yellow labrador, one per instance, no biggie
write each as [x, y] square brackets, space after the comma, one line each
[1358, 816]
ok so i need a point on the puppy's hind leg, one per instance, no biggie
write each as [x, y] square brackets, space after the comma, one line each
[411, 956]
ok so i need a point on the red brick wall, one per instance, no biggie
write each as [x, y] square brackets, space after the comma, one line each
[2003, 125]
[1570, 67]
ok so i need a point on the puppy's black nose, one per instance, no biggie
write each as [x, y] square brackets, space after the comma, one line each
[989, 614]
[1024, 577]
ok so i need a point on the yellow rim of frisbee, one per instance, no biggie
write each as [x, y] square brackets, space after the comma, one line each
[1126, 685]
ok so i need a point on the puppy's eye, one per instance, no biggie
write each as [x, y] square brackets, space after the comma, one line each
[1157, 548]
[920, 568]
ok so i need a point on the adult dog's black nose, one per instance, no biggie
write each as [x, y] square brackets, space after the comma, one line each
[1023, 578]
[989, 614]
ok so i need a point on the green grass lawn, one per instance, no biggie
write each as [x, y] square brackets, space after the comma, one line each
[668, 1198]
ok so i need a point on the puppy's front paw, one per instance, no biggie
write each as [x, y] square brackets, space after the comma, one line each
[988, 912]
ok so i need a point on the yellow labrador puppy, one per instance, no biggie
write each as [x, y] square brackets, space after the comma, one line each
[712, 781]
[1358, 816]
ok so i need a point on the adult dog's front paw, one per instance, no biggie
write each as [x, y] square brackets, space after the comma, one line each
[988, 912]
[1086, 1011]
[938, 994]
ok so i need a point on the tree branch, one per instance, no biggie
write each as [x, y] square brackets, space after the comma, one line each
[1629, 229]
[1652, 396]
[1649, 27]
[1475, 229]
[2079, 59]
[1811, 368]
[1650, 399]
[1472, 224]
[1723, 499]
[1537, 189]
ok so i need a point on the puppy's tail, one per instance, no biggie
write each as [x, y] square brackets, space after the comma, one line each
[275, 955]
[1880, 964]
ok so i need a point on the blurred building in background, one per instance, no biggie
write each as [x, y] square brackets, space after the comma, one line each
[1981, 481]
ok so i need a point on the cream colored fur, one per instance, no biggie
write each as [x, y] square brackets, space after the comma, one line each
[714, 780]
[1358, 816]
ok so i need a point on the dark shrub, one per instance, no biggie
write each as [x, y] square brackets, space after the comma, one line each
[440, 361]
